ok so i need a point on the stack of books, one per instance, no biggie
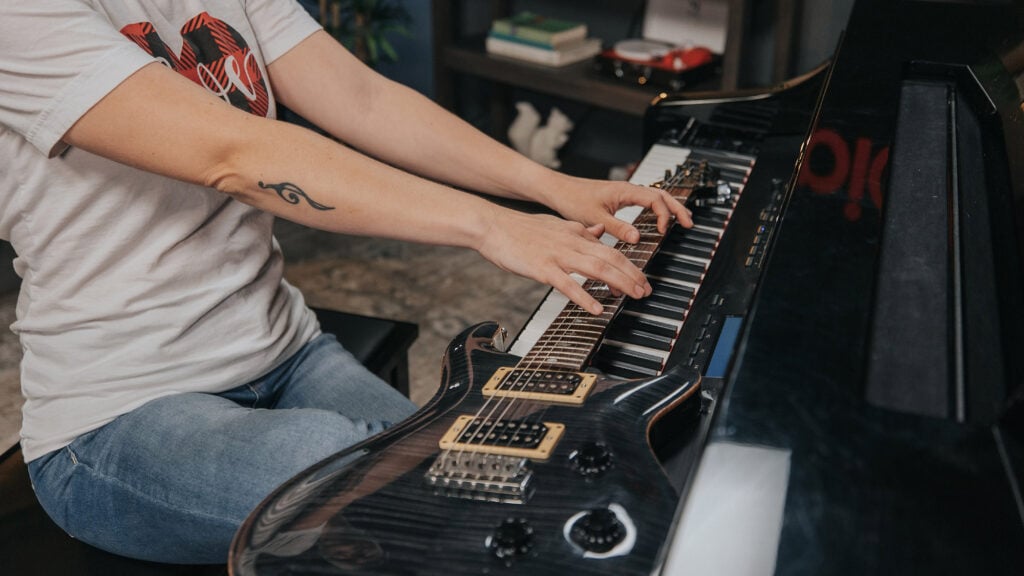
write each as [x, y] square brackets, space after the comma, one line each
[541, 40]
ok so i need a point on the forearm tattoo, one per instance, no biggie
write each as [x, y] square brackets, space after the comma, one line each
[291, 193]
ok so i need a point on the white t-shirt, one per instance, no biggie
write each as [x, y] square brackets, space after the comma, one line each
[134, 286]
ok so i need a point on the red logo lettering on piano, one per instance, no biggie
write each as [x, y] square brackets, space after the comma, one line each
[832, 167]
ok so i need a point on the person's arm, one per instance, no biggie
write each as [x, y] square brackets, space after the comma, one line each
[159, 121]
[325, 84]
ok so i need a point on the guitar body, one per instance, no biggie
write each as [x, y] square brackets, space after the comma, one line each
[594, 501]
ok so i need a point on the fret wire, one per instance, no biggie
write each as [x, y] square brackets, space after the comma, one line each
[578, 327]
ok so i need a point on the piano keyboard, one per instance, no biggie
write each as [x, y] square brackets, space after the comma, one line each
[644, 334]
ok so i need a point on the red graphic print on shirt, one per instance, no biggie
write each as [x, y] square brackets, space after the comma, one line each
[215, 56]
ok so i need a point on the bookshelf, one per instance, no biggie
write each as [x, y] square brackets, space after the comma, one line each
[461, 52]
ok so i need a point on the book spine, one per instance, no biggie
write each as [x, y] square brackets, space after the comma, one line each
[521, 51]
[524, 41]
[537, 35]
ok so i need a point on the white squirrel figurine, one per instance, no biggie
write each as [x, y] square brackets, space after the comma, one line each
[546, 140]
[541, 143]
[521, 130]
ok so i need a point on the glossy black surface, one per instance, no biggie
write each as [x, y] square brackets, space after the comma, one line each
[879, 489]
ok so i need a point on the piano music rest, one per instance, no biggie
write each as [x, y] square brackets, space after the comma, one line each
[32, 545]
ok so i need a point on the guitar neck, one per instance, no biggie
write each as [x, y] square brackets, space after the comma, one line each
[574, 335]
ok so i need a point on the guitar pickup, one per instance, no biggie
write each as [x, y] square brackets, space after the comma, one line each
[535, 440]
[543, 385]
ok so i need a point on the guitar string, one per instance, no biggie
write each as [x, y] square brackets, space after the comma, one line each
[574, 316]
[571, 317]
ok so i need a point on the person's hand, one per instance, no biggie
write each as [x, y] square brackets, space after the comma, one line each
[595, 202]
[548, 249]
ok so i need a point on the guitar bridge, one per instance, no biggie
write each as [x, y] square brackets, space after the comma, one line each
[543, 385]
[477, 476]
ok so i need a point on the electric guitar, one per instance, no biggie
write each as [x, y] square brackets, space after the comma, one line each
[532, 465]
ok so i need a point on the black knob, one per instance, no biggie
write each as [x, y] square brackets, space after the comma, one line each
[592, 459]
[513, 537]
[598, 530]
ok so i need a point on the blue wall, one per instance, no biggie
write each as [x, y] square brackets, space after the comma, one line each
[414, 67]
[416, 52]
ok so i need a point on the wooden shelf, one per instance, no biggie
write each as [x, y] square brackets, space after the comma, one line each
[577, 82]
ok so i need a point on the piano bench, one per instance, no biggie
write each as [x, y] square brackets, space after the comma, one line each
[381, 345]
[31, 544]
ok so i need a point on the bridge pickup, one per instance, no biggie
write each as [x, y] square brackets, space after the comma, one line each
[533, 440]
[542, 385]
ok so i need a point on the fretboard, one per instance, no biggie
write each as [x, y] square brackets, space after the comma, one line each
[575, 334]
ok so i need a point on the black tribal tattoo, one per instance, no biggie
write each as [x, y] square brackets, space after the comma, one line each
[291, 193]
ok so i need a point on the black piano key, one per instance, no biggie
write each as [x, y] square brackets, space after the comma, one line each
[623, 369]
[640, 338]
[693, 235]
[709, 219]
[696, 250]
[666, 267]
[731, 173]
[669, 299]
[669, 291]
[647, 325]
[722, 156]
[702, 235]
[634, 358]
[670, 310]
[681, 262]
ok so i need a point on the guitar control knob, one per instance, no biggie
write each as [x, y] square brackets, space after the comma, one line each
[592, 459]
[513, 537]
[598, 530]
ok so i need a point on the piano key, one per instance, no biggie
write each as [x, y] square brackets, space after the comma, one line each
[675, 323]
[721, 155]
[656, 278]
[637, 350]
[646, 330]
[728, 166]
[701, 235]
[549, 309]
[663, 265]
[643, 331]
[670, 298]
[656, 308]
[697, 250]
[681, 291]
[732, 173]
[710, 230]
[625, 370]
[680, 261]
[641, 338]
[687, 278]
[710, 220]
[696, 262]
[631, 355]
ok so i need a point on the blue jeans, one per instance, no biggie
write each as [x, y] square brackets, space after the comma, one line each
[173, 480]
